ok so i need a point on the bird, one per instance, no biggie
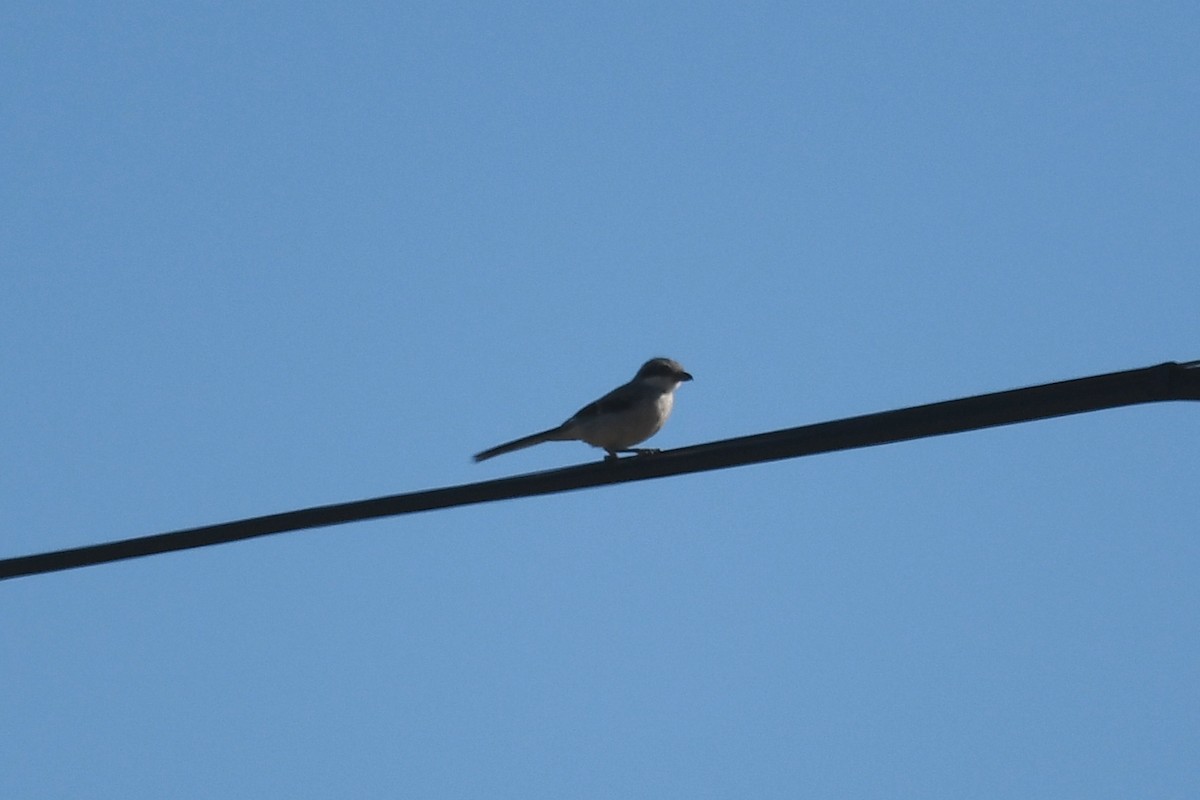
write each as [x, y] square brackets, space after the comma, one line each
[628, 415]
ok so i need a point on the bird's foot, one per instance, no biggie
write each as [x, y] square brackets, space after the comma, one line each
[613, 455]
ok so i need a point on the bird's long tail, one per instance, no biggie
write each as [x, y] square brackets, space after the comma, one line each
[551, 435]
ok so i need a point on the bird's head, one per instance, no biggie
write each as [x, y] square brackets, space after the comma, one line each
[664, 371]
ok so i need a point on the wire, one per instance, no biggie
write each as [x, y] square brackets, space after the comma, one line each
[1170, 381]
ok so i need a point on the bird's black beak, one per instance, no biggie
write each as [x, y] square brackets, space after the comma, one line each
[684, 376]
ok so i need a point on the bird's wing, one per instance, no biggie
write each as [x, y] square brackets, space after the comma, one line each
[619, 399]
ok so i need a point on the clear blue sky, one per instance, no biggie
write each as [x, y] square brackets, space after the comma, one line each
[259, 257]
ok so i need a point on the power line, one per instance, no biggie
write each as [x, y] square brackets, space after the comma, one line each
[1170, 381]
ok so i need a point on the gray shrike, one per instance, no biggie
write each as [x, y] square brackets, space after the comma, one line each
[626, 416]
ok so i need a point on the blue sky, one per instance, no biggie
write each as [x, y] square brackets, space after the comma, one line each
[261, 257]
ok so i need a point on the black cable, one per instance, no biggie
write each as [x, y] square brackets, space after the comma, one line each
[1170, 381]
